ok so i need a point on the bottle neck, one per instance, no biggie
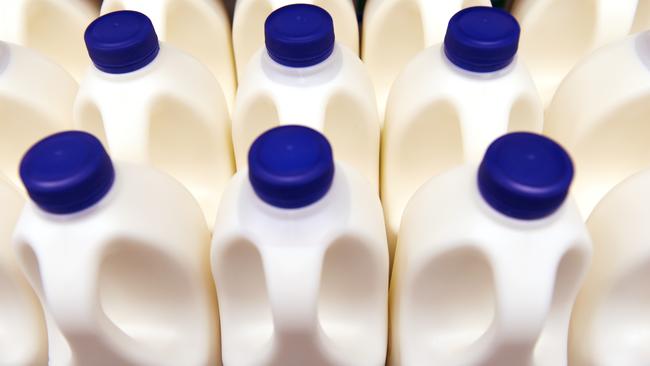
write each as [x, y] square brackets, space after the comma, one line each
[474, 74]
[136, 74]
[323, 70]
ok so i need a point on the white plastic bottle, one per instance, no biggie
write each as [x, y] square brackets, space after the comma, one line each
[155, 104]
[300, 259]
[54, 27]
[118, 255]
[599, 113]
[304, 77]
[489, 261]
[609, 325]
[23, 339]
[556, 34]
[395, 31]
[198, 27]
[248, 23]
[452, 101]
[36, 99]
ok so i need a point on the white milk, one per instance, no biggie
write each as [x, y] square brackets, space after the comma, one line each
[155, 105]
[248, 25]
[304, 77]
[489, 261]
[556, 34]
[395, 31]
[600, 114]
[451, 102]
[36, 99]
[54, 27]
[119, 257]
[610, 321]
[23, 339]
[198, 27]
[300, 259]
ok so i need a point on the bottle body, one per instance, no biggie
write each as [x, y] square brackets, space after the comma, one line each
[439, 116]
[209, 21]
[248, 25]
[608, 320]
[24, 339]
[36, 99]
[599, 117]
[474, 287]
[177, 122]
[45, 25]
[334, 97]
[395, 31]
[125, 281]
[315, 290]
[570, 30]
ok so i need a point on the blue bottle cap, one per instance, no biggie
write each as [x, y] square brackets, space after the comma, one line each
[299, 35]
[482, 39]
[525, 176]
[291, 166]
[67, 172]
[121, 42]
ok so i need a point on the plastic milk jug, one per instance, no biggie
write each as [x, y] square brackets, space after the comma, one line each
[155, 104]
[118, 254]
[610, 321]
[248, 22]
[304, 77]
[490, 260]
[556, 34]
[600, 114]
[394, 31]
[452, 101]
[23, 339]
[54, 27]
[36, 99]
[198, 27]
[300, 259]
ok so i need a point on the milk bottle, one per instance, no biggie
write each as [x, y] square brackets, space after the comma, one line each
[198, 27]
[394, 31]
[36, 98]
[489, 261]
[248, 21]
[299, 258]
[304, 77]
[118, 254]
[154, 104]
[600, 114]
[54, 27]
[23, 339]
[556, 34]
[452, 101]
[609, 325]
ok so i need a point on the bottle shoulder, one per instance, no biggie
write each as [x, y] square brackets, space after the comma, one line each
[30, 75]
[343, 70]
[143, 203]
[449, 211]
[350, 201]
[173, 72]
[431, 78]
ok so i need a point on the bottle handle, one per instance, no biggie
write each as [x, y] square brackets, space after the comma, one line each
[293, 281]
